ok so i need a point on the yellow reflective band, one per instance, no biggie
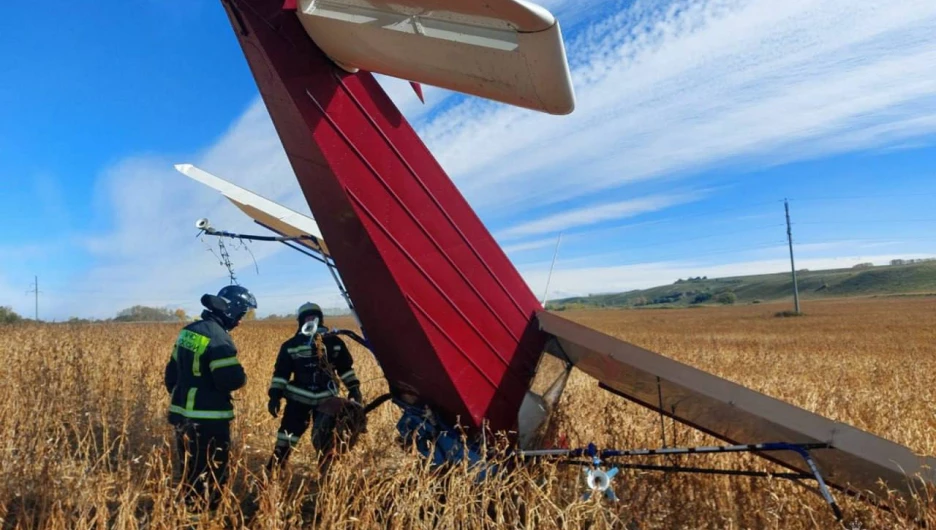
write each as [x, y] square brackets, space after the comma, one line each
[195, 343]
[278, 382]
[190, 412]
[190, 400]
[308, 394]
[306, 397]
[221, 363]
[175, 352]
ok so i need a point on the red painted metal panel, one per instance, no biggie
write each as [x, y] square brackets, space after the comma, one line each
[418, 89]
[446, 312]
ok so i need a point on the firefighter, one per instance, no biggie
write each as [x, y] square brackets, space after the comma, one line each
[200, 376]
[316, 365]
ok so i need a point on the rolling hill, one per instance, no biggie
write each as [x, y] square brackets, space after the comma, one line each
[862, 280]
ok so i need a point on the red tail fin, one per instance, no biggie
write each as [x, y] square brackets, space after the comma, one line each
[446, 313]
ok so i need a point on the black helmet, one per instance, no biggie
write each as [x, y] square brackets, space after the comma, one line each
[309, 309]
[238, 301]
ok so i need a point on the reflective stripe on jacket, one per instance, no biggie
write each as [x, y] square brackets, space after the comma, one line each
[302, 376]
[202, 372]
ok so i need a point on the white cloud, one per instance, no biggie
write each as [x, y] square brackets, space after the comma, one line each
[851, 245]
[530, 245]
[152, 257]
[664, 91]
[594, 213]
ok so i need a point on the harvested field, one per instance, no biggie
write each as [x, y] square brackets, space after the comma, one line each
[85, 444]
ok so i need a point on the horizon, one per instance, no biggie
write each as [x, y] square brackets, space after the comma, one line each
[694, 121]
[799, 271]
[346, 312]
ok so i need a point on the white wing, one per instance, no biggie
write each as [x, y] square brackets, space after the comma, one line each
[277, 218]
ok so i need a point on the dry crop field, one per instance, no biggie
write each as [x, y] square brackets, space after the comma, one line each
[85, 444]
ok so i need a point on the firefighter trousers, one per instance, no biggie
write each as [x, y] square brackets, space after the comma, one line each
[296, 419]
[203, 448]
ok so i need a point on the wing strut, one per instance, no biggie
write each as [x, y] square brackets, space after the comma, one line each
[205, 228]
[856, 462]
[296, 231]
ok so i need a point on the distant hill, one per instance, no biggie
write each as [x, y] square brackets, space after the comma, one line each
[901, 277]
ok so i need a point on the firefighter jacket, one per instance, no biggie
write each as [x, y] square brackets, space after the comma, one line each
[309, 373]
[202, 372]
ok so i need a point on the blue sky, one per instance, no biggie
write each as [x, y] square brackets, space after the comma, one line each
[694, 120]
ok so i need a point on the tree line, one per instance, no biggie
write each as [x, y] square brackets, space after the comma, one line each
[141, 313]
[137, 313]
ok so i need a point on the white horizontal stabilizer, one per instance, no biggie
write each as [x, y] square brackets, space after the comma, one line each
[505, 50]
[274, 216]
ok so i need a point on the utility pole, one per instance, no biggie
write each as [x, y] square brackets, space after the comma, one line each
[789, 232]
[35, 290]
[556, 253]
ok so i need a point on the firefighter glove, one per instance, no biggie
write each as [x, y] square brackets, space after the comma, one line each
[273, 406]
[355, 395]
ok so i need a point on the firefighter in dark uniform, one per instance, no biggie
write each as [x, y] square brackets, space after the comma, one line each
[316, 365]
[200, 376]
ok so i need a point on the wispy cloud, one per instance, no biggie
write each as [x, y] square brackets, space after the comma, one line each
[672, 90]
[151, 256]
[664, 91]
[849, 245]
[530, 245]
[595, 213]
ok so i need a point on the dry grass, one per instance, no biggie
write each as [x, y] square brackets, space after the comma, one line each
[85, 444]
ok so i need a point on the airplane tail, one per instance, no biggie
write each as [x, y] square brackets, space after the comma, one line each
[445, 311]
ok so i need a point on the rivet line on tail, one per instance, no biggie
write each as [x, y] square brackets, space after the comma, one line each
[432, 282]
[376, 174]
[431, 196]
